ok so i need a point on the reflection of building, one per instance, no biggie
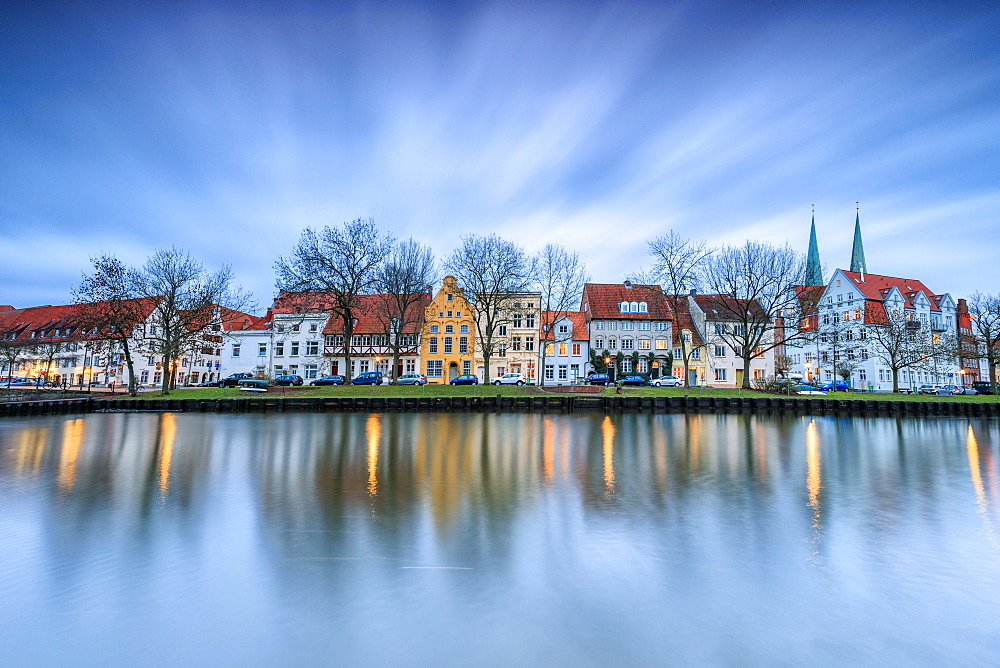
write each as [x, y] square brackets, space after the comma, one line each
[449, 334]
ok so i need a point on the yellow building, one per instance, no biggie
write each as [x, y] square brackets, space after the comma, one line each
[448, 344]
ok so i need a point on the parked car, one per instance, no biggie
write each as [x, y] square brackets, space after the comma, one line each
[841, 386]
[329, 380]
[511, 379]
[666, 381]
[234, 379]
[933, 389]
[369, 378]
[288, 380]
[809, 390]
[253, 385]
[965, 389]
[412, 379]
[633, 380]
[598, 379]
[465, 379]
[212, 383]
[984, 387]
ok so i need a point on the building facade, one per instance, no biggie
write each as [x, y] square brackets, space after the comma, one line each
[447, 346]
[631, 324]
[565, 349]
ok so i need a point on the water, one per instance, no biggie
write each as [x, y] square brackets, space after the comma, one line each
[147, 539]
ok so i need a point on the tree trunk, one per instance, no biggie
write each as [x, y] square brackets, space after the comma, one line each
[541, 370]
[348, 335]
[895, 381]
[486, 368]
[746, 373]
[131, 369]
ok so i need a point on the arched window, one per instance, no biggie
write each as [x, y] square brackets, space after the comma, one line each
[643, 307]
[623, 307]
[633, 307]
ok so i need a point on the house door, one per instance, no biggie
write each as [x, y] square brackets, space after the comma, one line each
[692, 377]
[452, 371]
[739, 378]
[334, 369]
[399, 369]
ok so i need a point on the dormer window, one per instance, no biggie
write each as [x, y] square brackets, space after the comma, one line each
[623, 307]
[643, 308]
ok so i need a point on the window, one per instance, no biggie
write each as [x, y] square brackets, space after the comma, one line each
[312, 327]
[612, 344]
[236, 350]
[550, 349]
[549, 372]
[644, 344]
[623, 307]
[516, 320]
[450, 296]
[515, 343]
[720, 351]
[450, 314]
[574, 371]
[857, 316]
[144, 376]
[449, 329]
[295, 328]
[434, 329]
[720, 375]
[628, 344]
[502, 352]
[628, 326]
[432, 346]
[463, 344]
[661, 326]
[678, 354]
[576, 350]
[262, 349]
[598, 324]
[563, 372]
[311, 371]
[529, 321]
[696, 354]
[466, 366]
[529, 343]
[758, 374]
[626, 365]
[312, 347]
[644, 326]
[434, 368]
[599, 343]
[563, 349]
[502, 330]
[294, 349]
[720, 328]
[447, 344]
[613, 324]
[661, 344]
[464, 329]
[563, 329]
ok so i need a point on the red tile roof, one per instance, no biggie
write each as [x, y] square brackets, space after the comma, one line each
[724, 307]
[603, 299]
[683, 320]
[369, 307]
[49, 318]
[877, 287]
[577, 319]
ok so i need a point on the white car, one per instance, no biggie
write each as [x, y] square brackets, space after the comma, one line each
[666, 381]
[510, 379]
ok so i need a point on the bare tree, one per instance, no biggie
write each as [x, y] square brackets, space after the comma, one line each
[189, 305]
[677, 263]
[899, 342]
[402, 283]
[560, 275]
[841, 345]
[492, 270]
[331, 268]
[752, 286]
[984, 313]
[12, 353]
[108, 305]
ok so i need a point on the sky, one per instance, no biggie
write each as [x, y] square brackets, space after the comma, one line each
[226, 128]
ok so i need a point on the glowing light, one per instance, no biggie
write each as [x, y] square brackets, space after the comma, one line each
[548, 449]
[168, 432]
[373, 428]
[608, 436]
[72, 438]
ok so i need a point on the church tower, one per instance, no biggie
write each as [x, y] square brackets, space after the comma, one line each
[858, 251]
[814, 271]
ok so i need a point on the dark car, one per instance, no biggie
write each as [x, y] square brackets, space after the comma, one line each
[984, 387]
[329, 380]
[842, 386]
[465, 379]
[234, 379]
[369, 378]
[598, 379]
[212, 383]
[288, 380]
[633, 380]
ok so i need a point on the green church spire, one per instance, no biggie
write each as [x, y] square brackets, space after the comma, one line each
[814, 272]
[858, 252]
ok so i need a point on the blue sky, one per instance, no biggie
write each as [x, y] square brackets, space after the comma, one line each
[226, 128]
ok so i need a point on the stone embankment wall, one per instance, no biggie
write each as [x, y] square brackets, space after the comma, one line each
[549, 404]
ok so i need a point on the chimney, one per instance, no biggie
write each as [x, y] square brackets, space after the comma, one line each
[694, 293]
[628, 284]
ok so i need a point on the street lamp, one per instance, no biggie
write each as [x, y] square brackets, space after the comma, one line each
[607, 367]
[961, 373]
[808, 371]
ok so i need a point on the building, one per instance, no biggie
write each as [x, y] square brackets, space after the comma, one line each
[687, 340]
[516, 339]
[377, 337]
[448, 343]
[713, 316]
[631, 323]
[565, 349]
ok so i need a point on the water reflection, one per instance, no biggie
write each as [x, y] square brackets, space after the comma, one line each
[510, 534]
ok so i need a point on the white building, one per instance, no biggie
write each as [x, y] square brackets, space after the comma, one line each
[566, 346]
